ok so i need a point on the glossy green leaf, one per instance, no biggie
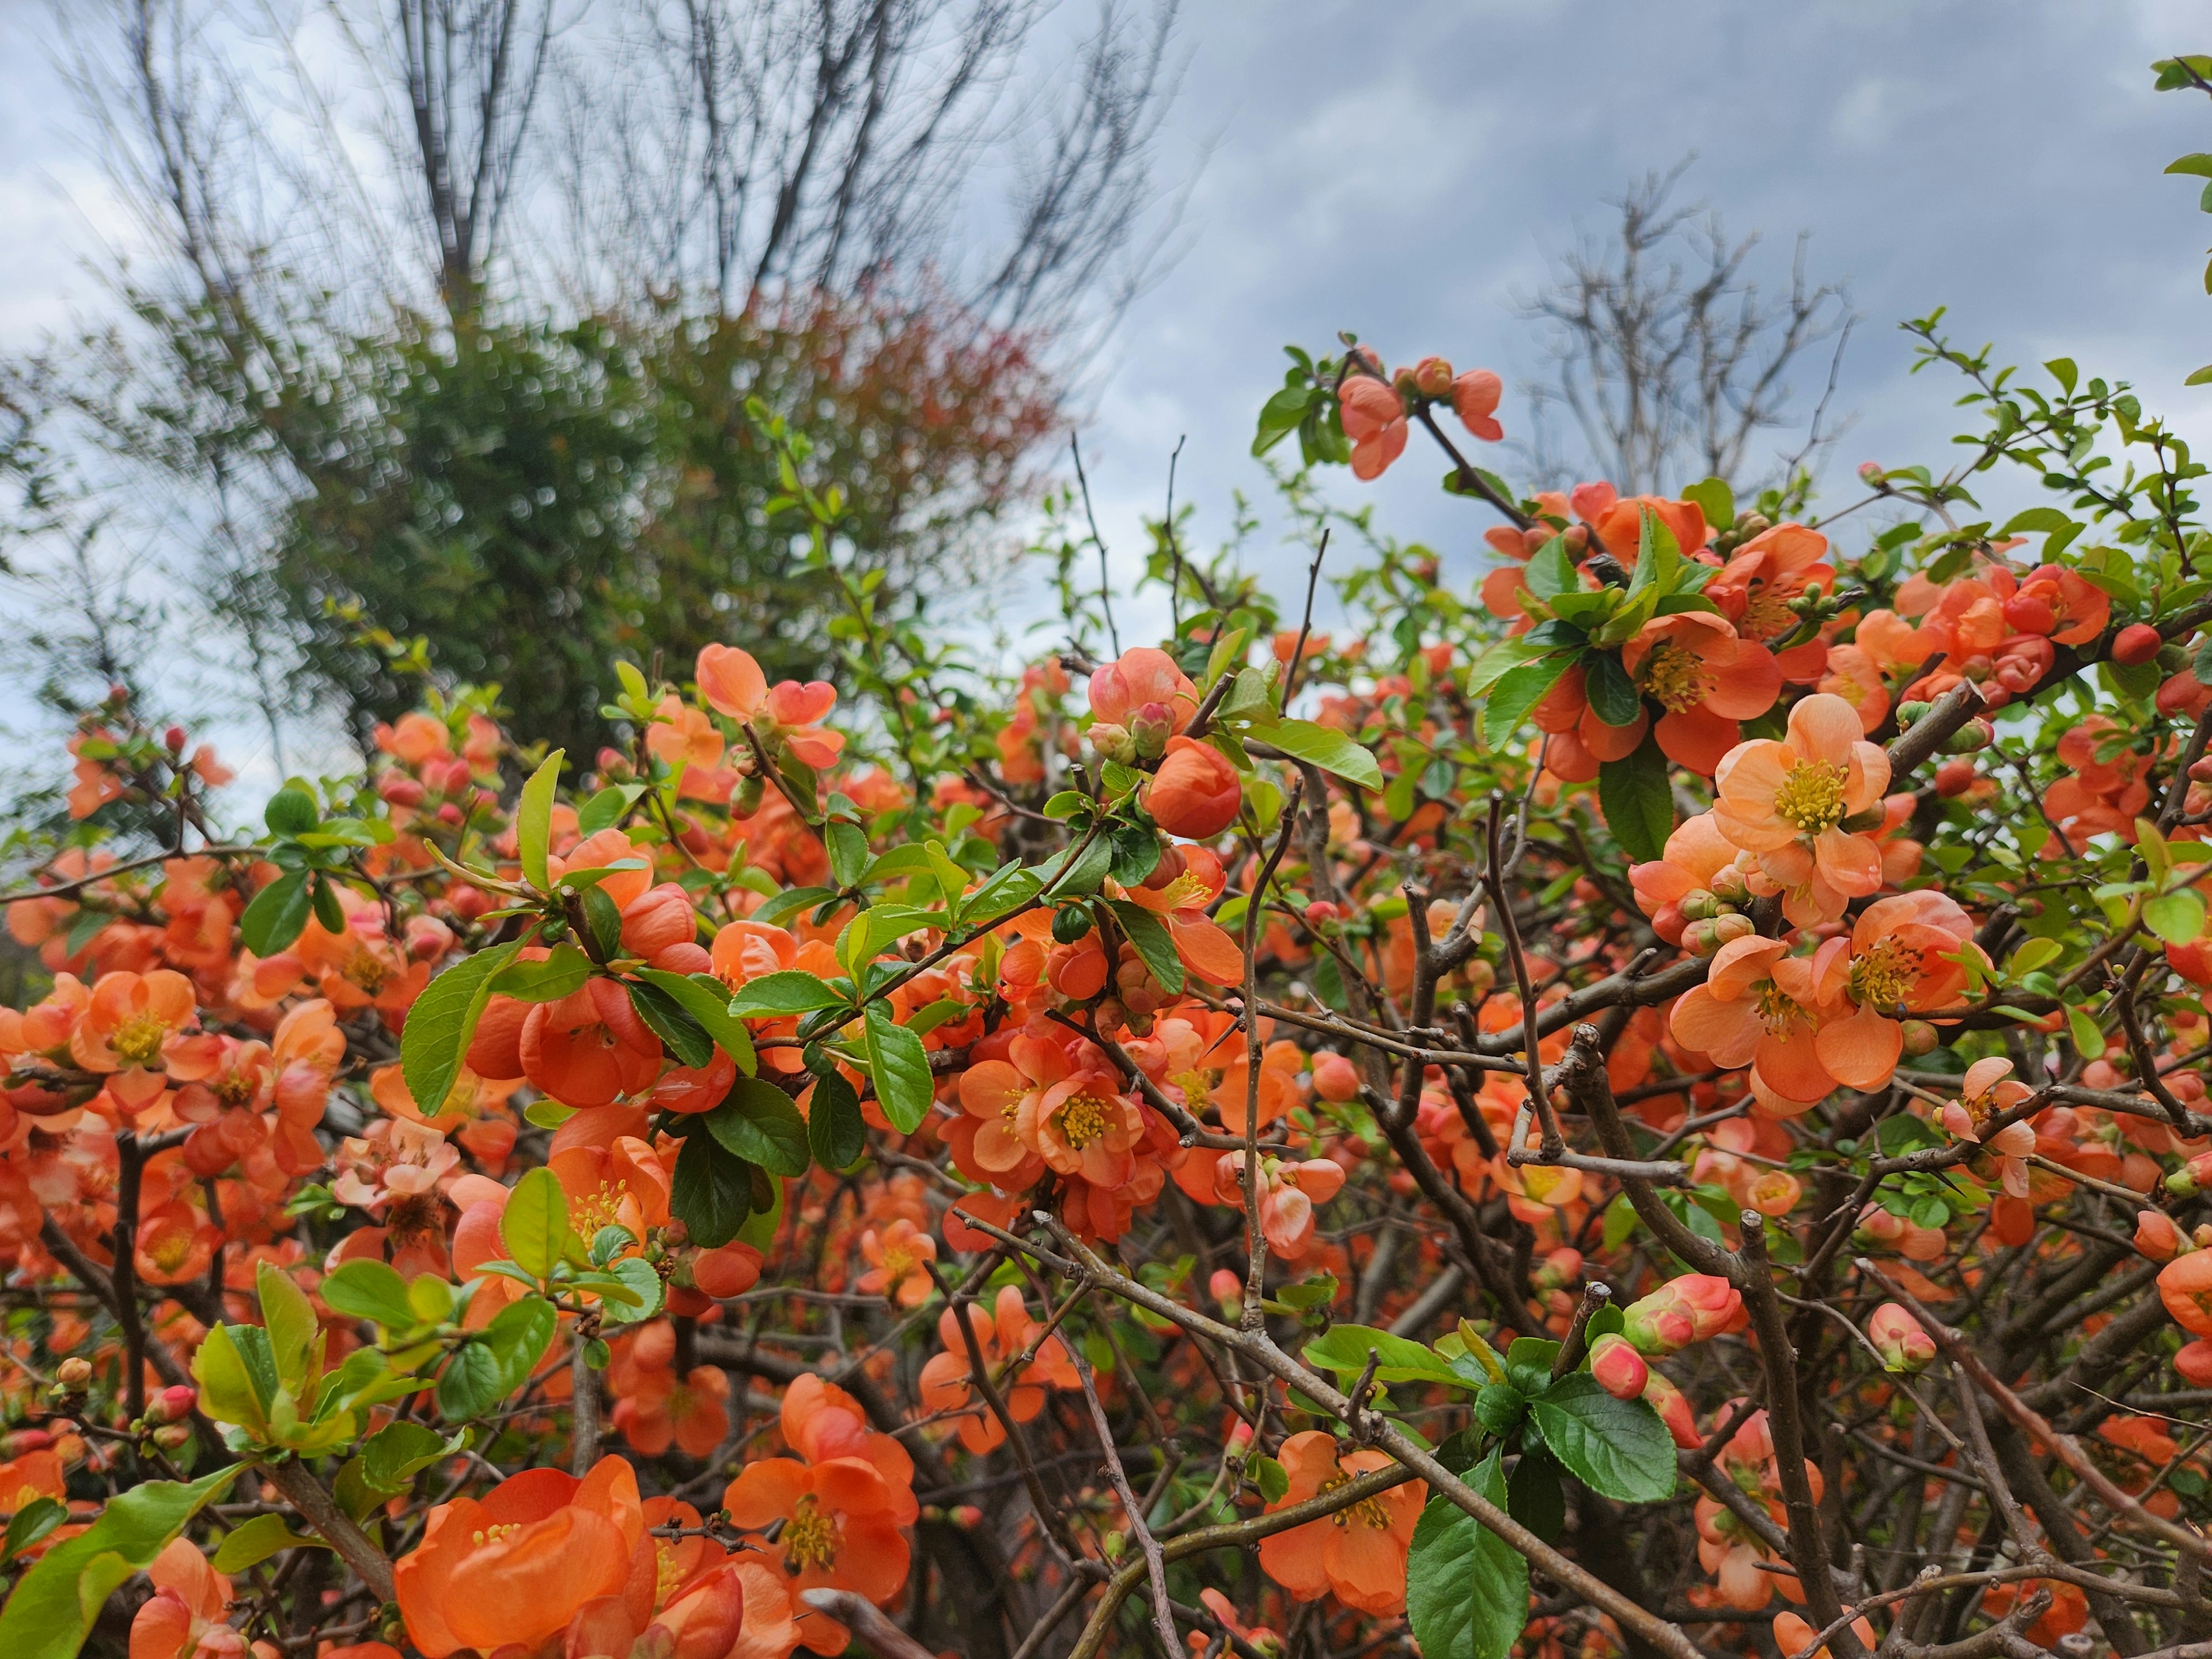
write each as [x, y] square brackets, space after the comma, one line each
[711, 1193]
[900, 1066]
[443, 1021]
[835, 1131]
[1323, 746]
[1467, 1588]
[792, 991]
[1150, 935]
[255, 1539]
[534, 1225]
[1344, 1349]
[1639, 800]
[546, 979]
[707, 1001]
[1619, 1448]
[533, 821]
[276, 916]
[759, 1123]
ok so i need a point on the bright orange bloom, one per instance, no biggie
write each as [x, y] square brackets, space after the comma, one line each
[517, 1564]
[2185, 1284]
[1904, 951]
[1196, 793]
[1789, 802]
[589, 1047]
[1374, 418]
[656, 1408]
[1001, 1336]
[841, 1507]
[1707, 678]
[1358, 1552]
[1474, 397]
[1179, 900]
[898, 1259]
[1758, 1007]
[190, 1601]
[732, 684]
[132, 1030]
[1142, 675]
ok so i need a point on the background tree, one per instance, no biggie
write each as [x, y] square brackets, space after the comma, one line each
[490, 395]
[1669, 357]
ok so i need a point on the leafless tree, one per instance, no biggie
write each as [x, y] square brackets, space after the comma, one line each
[1670, 358]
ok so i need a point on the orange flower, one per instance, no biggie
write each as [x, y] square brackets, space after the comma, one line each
[1196, 793]
[1754, 588]
[1374, 419]
[1358, 1552]
[516, 1565]
[897, 1263]
[1474, 397]
[661, 1410]
[1903, 952]
[2185, 1284]
[1705, 678]
[132, 1032]
[840, 1509]
[991, 1092]
[1187, 882]
[1143, 675]
[1758, 1007]
[1001, 1337]
[732, 684]
[589, 1047]
[1788, 802]
[190, 1601]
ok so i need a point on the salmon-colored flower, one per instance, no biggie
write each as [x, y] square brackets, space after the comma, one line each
[840, 1509]
[1474, 397]
[660, 1409]
[1180, 891]
[185, 1618]
[1002, 1335]
[1196, 793]
[1789, 802]
[1705, 678]
[589, 1047]
[1755, 587]
[516, 1565]
[1358, 1552]
[1905, 959]
[731, 682]
[133, 1032]
[898, 1259]
[1374, 418]
[1141, 676]
[1759, 1006]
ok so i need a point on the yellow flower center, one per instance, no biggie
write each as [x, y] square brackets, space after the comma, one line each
[493, 1534]
[167, 1249]
[235, 1091]
[1081, 1120]
[1186, 889]
[809, 1537]
[1885, 975]
[898, 1262]
[1779, 1012]
[138, 1039]
[599, 1209]
[1196, 1085]
[1811, 796]
[1674, 676]
[1766, 613]
[366, 971]
[1368, 1511]
[667, 1574]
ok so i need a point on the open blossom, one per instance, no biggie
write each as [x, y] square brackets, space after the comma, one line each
[517, 1564]
[1186, 881]
[1762, 1007]
[1707, 678]
[898, 1259]
[1003, 1333]
[1374, 418]
[1288, 1192]
[1906, 954]
[1789, 803]
[1358, 1554]
[731, 682]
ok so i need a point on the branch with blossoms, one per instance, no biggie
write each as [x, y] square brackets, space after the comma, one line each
[1649, 1102]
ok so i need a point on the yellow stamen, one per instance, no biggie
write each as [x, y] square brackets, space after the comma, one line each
[1082, 1121]
[1368, 1511]
[139, 1039]
[809, 1537]
[1674, 676]
[1811, 796]
[1886, 974]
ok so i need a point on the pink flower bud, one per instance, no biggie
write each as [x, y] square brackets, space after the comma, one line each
[2191, 1177]
[1335, 1078]
[1870, 471]
[1618, 1369]
[1673, 1409]
[1904, 1343]
[1225, 1286]
[173, 1405]
[1681, 1311]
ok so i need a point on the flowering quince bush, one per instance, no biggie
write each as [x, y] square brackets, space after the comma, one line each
[1653, 1106]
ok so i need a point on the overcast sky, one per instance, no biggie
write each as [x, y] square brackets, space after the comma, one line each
[1409, 170]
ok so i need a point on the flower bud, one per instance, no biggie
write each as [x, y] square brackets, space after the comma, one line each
[1730, 885]
[75, 1375]
[1701, 939]
[173, 739]
[1150, 725]
[2136, 645]
[1433, 378]
[172, 1437]
[2194, 1362]
[2156, 1236]
[1225, 1287]
[1903, 1342]
[1870, 471]
[2191, 1177]
[1673, 1409]
[1683, 1310]
[173, 1405]
[1733, 926]
[1335, 1078]
[1618, 1368]
[1954, 778]
[1908, 713]
[1113, 743]
[1919, 1036]
[1976, 734]
[1698, 905]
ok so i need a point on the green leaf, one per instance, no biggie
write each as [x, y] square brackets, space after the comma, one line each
[53, 1608]
[533, 821]
[518, 1336]
[711, 1193]
[1715, 499]
[291, 812]
[472, 1383]
[645, 1286]
[1323, 746]
[2177, 917]
[1344, 1349]
[534, 1225]
[2200, 377]
[1534, 1495]
[835, 1128]
[1552, 570]
[605, 809]
[704, 998]
[324, 897]
[277, 916]
[900, 1065]
[29, 1524]
[1657, 554]
[1467, 1588]
[2036, 520]
[1271, 1479]
[1153, 943]
[255, 1539]
[2083, 1027]
[443, 1021]
[759, 1124]
[1517, 692]
[392, 1456]
[1614, 697]
[290, 1319]
[1529, 1361]
[848, 853]
[1638, 802]
[1619, 1448]
[686, 1038]
[790, 990]
[1498, 1406]
[548, 980]
[2199, 164]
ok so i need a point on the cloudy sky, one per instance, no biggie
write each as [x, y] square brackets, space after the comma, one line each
[1410, 170]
